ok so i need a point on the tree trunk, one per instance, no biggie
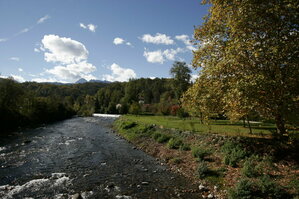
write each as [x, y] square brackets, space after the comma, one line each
[244, 124]
[280, 124]
[250, 130]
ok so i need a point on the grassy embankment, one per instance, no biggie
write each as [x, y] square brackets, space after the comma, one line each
[221, 154]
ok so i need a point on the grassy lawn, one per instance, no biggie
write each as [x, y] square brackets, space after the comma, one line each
[223, 127]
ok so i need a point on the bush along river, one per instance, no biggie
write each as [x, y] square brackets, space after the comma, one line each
[83, 158]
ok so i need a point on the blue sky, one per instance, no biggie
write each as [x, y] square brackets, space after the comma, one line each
[114, 40]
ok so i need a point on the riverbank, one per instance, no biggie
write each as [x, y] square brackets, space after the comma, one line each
[224, 166]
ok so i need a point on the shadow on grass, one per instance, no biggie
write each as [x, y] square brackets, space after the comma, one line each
[278, 148]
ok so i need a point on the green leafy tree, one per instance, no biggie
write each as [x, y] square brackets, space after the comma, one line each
[135, 108]
[181, 74]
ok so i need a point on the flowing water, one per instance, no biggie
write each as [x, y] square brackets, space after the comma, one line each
[82, 158]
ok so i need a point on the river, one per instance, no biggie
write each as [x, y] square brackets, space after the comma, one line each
[83, 158]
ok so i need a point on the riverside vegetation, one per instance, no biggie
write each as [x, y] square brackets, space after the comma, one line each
[226, 164]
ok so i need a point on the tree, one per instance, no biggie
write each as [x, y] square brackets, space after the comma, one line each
[135, 108]
[181, 74]
[251, 48]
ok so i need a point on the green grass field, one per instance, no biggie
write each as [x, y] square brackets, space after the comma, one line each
[223, 127]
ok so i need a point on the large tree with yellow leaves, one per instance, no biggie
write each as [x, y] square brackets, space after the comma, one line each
[249, 59]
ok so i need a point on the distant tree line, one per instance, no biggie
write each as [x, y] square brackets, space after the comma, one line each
[30, 103]
[145, 95]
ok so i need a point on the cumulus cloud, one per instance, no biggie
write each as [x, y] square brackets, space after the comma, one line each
[154, 56]
[187, 41]
[90, 27]
[71, 56]
[14, 59]
[160, 56]
[73, 71]
[157, 39]
[183, 38]
[15, 77]
[43, 19]
[20, 69]
[170, 54]
[119, 41]
[119, 74]
[62, 49]
[18, 78]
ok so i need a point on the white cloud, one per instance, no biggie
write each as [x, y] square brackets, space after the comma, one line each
[62, 49]
[43, 19]
[120, 74]
[24, 30]
[187, 41]
[20, 69]
[36, 50]
[183, 38]
[119, 41]
[90, 27]
[14, 59]
[3, 39]
[192, 48]
[160, 56]
[154, 56]
[194, 77]
[171, 53]
[73, 71]
[18, 78]
[71, 56]
[45, 80]
[157, 39]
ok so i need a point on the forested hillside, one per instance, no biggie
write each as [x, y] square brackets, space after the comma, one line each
[29, 104]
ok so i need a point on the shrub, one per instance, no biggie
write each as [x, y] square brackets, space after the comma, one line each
[233, 153]
[199, 152]
[156, 135]
[202, 169]
[128, 124]
[181, 113]
[174, 109]
[185, 147]
[264, 188]
[269, 189]
[244, 189]
[294, 184]
[176, 160]
[251, 167]
[163, 138]
[174, 143]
